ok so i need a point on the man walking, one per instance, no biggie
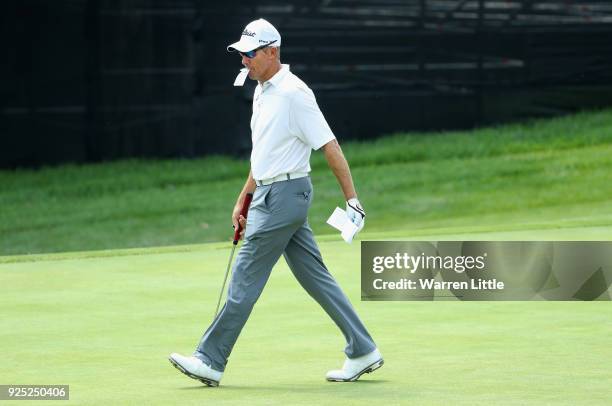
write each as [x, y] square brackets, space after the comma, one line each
[286, 125]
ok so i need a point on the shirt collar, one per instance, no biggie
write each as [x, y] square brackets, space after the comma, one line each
[278, 76]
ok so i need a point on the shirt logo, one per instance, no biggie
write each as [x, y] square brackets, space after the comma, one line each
[248, 33]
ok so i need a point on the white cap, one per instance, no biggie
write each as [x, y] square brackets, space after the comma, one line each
[256, 34]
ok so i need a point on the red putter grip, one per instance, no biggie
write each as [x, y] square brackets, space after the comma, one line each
[243, 213]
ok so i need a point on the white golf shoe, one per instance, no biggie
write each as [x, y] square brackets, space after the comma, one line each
[353, 368]
[196, 369]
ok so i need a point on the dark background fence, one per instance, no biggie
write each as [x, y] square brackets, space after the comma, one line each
[92, 80]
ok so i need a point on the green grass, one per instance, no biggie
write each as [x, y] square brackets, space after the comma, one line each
[544, 174]
[104, 322]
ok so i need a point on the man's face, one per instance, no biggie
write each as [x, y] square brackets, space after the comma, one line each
[260, 64]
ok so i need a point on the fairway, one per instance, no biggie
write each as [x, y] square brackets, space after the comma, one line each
[118, 278]
[105, 321]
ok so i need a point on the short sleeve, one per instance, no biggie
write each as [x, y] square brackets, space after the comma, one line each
[311, 126]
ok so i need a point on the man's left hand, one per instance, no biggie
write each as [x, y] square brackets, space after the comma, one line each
[356, 213]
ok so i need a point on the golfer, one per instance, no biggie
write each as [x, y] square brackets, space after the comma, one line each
[286, 125]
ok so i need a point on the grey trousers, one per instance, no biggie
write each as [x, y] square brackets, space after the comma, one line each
[277, 224]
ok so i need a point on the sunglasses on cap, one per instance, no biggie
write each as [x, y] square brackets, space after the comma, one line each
[251, 54]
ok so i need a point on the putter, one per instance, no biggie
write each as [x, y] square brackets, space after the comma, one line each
[243, 212]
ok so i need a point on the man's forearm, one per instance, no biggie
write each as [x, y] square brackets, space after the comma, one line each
[249, 187]
[339, 166]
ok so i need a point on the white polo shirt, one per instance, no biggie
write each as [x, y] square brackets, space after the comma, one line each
[286, 125]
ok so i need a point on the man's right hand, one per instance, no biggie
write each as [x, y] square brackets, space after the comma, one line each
[238, 219]
[236, 215]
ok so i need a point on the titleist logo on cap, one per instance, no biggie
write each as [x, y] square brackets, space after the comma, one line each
[248, 33]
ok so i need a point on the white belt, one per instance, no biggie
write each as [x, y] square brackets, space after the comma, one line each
[281, 178]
